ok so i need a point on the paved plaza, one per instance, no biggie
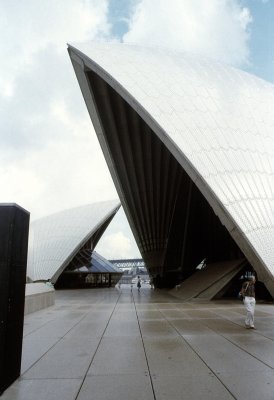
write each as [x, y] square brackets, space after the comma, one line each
[118, 344]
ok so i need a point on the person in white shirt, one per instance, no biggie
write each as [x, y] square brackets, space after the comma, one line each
[248, 292]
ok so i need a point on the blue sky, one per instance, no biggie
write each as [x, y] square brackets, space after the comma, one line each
[261, 41]
[261, 32]
[119, 14]
[50, 158]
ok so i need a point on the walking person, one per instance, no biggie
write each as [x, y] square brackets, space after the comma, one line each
[139, 283]
[248, 292]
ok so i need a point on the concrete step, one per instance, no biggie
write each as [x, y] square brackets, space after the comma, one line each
[207, 282]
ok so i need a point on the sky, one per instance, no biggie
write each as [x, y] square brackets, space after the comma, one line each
[50, 158]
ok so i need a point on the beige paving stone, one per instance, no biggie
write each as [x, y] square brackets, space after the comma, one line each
[156, 328]
[119, 355]
[173, 356]
[150, 315]
[190, 387]
[114, 344]
[190, 326]
[200, 314]
[69, 358]
[87, 329]
[174, 314]
[260, 347]
[225, 326]
[249, 384]
[126, 315]
[34, 348]
[222, 356]
[122, 328]
[113, 387]
[43, 389]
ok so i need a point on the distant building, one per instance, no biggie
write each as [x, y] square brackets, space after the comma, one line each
[61, 247]
[89, 269]
[190, 146]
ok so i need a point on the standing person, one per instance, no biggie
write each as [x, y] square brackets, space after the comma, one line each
[248, 291]
[139, 283]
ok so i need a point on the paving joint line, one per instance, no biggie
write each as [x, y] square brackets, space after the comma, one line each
[151, 382]
[230, 341]
[192, 348]
[37, 329]
[95, 352]
[254, 331]
[239, 347]
[62, 337]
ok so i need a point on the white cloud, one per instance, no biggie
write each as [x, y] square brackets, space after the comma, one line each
[115, 246]
[66, 171]
[29, 26]
[50, 158]
[49, 155]
[118, 241]
[215, 28]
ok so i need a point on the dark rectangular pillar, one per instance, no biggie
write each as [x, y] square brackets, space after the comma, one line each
[14, 231]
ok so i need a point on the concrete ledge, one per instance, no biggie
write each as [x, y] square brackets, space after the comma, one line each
[38, 296]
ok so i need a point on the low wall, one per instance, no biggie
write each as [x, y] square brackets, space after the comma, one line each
[38, 296]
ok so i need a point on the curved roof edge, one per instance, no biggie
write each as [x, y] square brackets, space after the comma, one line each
[88, 61]
[56, 239]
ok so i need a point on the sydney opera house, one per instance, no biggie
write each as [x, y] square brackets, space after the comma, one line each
[190, 147]
[61, 247]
